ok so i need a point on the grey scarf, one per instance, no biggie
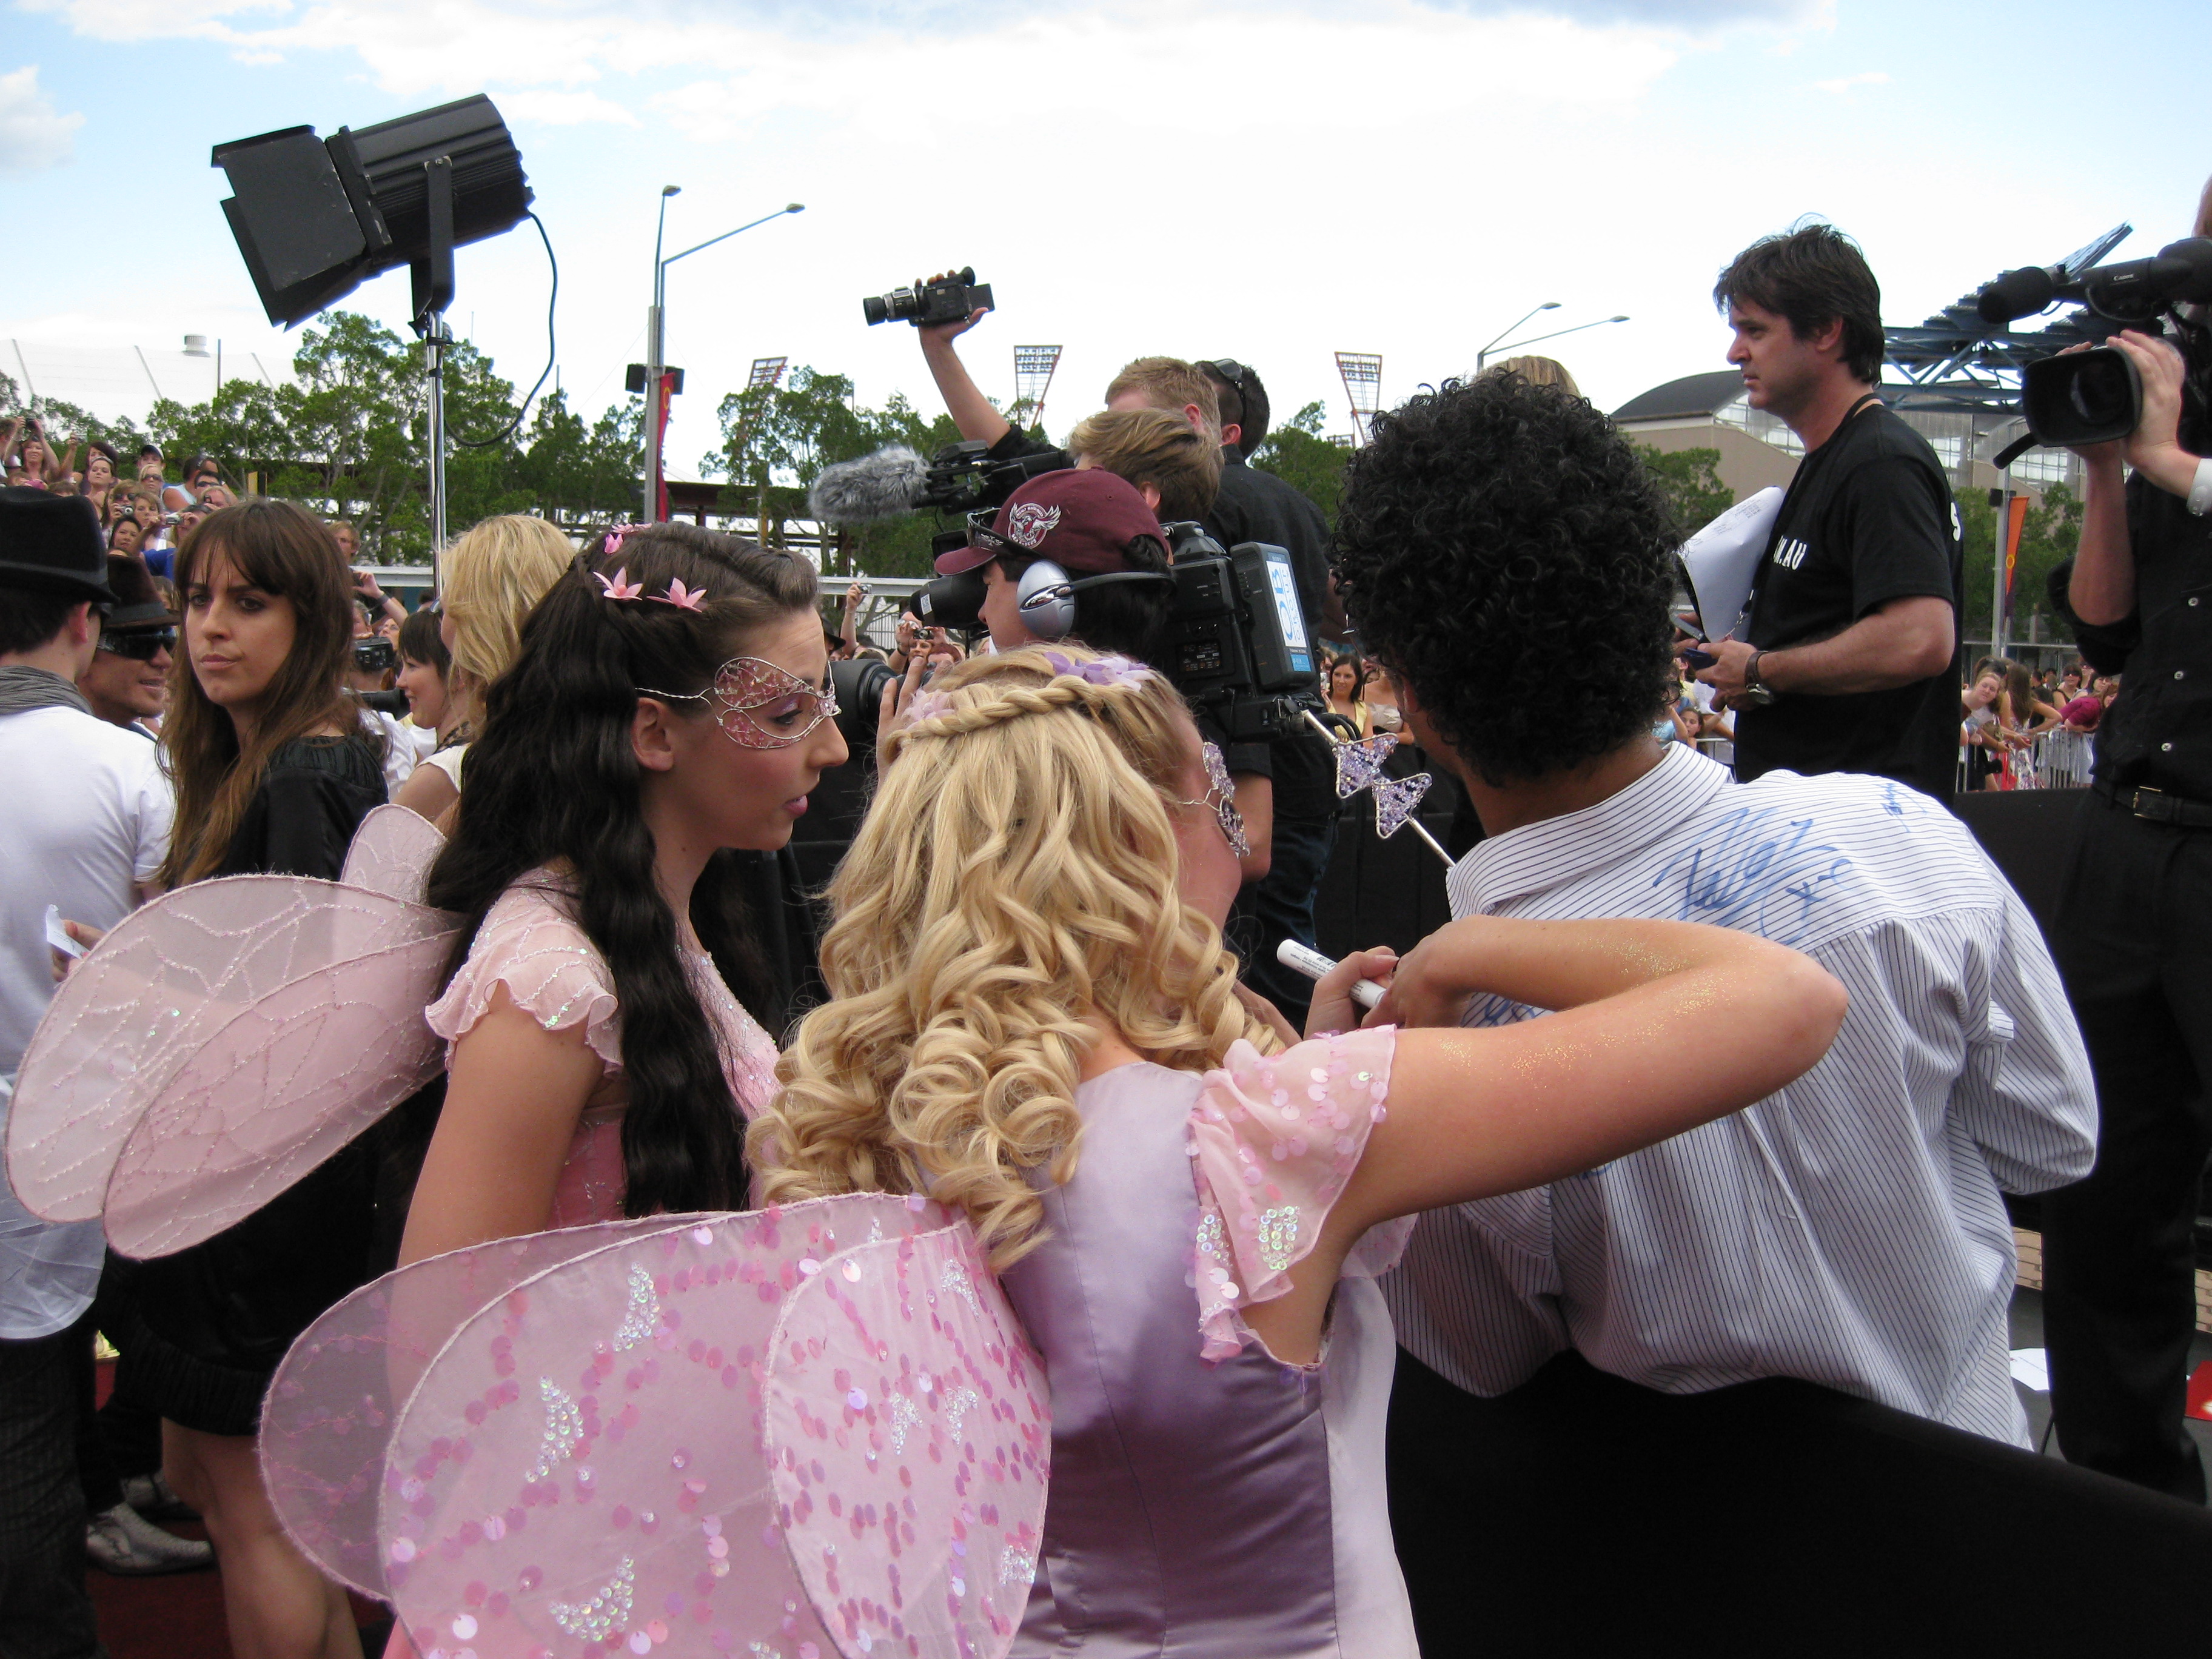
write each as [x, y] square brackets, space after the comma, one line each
[23, 688]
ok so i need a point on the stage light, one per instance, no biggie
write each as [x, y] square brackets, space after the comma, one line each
[315, 218]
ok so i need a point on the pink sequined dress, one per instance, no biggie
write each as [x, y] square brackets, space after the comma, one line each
[532, 944]
[1206, 1499]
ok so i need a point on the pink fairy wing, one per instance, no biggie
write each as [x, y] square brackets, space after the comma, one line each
[170, 980]
[585, 1465]
[326, 1424]
[909, 1440]
[391, 854]
[285, 1085]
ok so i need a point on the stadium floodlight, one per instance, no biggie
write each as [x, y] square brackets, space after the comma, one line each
[1362, 374]
[315, 217]
[1033, 371]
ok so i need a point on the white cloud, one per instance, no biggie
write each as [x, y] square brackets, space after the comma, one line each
[1844, 83]
[34, 134]
[563, 109]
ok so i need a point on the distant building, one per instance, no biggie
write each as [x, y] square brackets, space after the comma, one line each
[1708, 411]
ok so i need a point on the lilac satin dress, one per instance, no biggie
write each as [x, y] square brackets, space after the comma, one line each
[1208, 1501]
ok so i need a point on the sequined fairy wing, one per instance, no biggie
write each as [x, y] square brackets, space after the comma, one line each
[391, 853]
[588, 1460]
[326, 1424]
[909, 1441]
[167, 990]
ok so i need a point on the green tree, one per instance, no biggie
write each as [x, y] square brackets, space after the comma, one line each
[1690, 479]
[2050, 533]
[1295, 452]
[775, 441]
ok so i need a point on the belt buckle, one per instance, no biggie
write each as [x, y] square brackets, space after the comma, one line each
[2162, 810]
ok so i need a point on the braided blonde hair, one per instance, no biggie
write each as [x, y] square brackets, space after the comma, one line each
[1014, 882]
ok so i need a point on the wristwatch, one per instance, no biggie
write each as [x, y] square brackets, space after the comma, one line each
[1755, 695]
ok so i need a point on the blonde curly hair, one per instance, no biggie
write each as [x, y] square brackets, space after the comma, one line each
[1016, 877]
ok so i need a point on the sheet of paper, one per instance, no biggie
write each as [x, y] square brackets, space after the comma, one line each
[2032, 1368]
[1723, 557]
[58, 936]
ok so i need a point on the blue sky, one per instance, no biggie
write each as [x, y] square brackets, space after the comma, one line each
[1272, 181]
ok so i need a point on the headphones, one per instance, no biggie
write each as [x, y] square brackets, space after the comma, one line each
[1046, 595]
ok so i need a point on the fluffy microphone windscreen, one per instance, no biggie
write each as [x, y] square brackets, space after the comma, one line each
[878, 486]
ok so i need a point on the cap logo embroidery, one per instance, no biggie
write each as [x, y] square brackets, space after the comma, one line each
[1030, 522]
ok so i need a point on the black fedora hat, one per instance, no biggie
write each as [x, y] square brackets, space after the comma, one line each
[51, 544]
[138, 602]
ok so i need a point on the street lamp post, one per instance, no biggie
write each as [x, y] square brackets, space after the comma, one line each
[653, 366]
[1537, 339]
[656, 364]
[1482, 356]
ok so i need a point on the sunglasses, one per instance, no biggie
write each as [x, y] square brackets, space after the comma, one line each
[758, 705]
[140, 644]
[1221, 797]
[1231, 370]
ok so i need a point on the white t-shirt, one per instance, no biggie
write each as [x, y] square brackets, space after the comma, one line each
[405, 744]
[85, 819]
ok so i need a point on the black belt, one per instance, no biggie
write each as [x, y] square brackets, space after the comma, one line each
[2159, 807]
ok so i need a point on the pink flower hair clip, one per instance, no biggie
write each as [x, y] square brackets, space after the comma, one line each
[619, 587]
[682, 598]
[615, 534]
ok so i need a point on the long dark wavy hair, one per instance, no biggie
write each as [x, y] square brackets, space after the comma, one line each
[552, 779]
[280, 548]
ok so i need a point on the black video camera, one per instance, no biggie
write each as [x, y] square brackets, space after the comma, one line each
[375, 655]
[953, 300]
[2096, 396]
[1239, 648]
[1237, 642]
[963, 479]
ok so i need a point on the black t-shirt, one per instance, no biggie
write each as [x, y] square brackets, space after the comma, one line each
[1869, 519]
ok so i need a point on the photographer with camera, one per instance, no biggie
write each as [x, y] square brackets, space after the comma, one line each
[1078, 555]
[2134, 916]
[1846, 665]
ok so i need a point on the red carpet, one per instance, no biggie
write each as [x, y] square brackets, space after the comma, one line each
[176, 1617]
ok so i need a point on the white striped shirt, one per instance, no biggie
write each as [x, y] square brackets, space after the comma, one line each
[1847, 1230]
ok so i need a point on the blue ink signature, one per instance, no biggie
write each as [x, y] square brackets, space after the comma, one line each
[1759, 871]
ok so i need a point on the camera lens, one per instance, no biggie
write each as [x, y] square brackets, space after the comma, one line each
[876, 310]
[951, 601]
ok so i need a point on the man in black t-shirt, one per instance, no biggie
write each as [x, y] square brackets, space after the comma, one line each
[1848, 662]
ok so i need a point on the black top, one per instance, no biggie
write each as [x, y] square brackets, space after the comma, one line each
[2158, 733]
[1869, 519]
[218, 1317]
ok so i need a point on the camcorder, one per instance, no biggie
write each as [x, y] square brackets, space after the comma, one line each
[1238, 644]
[2096, 396]
[963, 478]
[375, 656]
[952, 300]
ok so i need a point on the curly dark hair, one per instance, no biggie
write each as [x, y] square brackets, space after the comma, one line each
[1496, 532]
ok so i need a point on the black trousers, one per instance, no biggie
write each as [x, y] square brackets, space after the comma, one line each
[45, 1610]
[2133, 936]
[1583, 1515]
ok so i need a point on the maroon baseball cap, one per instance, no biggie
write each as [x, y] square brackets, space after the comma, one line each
[1082, 520]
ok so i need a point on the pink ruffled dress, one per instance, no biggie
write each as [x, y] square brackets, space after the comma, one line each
[1206, 1499]
[532, 944]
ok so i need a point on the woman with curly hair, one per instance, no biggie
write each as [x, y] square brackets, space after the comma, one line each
[1035, 1021]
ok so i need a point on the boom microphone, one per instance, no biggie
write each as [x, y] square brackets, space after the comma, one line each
[2020, 292]
[883, 485]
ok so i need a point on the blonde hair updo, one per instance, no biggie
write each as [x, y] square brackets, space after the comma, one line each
[1015, 879]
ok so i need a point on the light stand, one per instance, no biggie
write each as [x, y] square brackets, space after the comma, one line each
[433, 277]
[1483, 355]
